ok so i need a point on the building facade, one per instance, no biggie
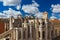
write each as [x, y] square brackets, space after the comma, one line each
[28, 28]
[56, 26]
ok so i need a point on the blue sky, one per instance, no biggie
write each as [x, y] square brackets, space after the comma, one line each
[44, 5]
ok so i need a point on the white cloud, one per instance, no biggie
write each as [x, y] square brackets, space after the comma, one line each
[18, 7]
[27, 15]
[31, 8]
[35, 4]
[55, 11]
[2, 15]
[8, 13]
[11, 2]
[16, 3]
[56, 8]
[53, 17]
[1, 0]
[59, 18]
[11, 12]
[39, 15]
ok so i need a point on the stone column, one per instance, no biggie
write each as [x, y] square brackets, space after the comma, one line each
[22, 34]
[46, 25]
[10, 23]
[5, 27]
[30, 32]
[13, 35]
[16, 34]
[3, 39]
[37, 29]
[51, 32]
[40, 29]
[26, 31]
[34, 30]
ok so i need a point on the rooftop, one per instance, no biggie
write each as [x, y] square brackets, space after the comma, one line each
[55, 20]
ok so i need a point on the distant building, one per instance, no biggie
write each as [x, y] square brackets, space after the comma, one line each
[56, 26]
[28, 28]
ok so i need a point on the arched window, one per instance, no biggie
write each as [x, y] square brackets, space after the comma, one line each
[39, 34]
[19, 34]
[52, 33]
[43, 33]
[7, 39]
[56, 32]
[43, 23]
[59, 33]
[24, 34]
[28, 31]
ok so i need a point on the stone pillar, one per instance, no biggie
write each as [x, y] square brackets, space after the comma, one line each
[10, 23]
[22, 34]
[13, 35]
[16, 34]
[30, 32]
[46, 25]
[26, 31]
[51, 32]
[5, 27]
[37, 29]
[26, 34]
[3, 39]
[34, 30]
[50, 36]
[40, 29]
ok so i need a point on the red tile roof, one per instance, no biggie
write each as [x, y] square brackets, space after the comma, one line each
[55, 20]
